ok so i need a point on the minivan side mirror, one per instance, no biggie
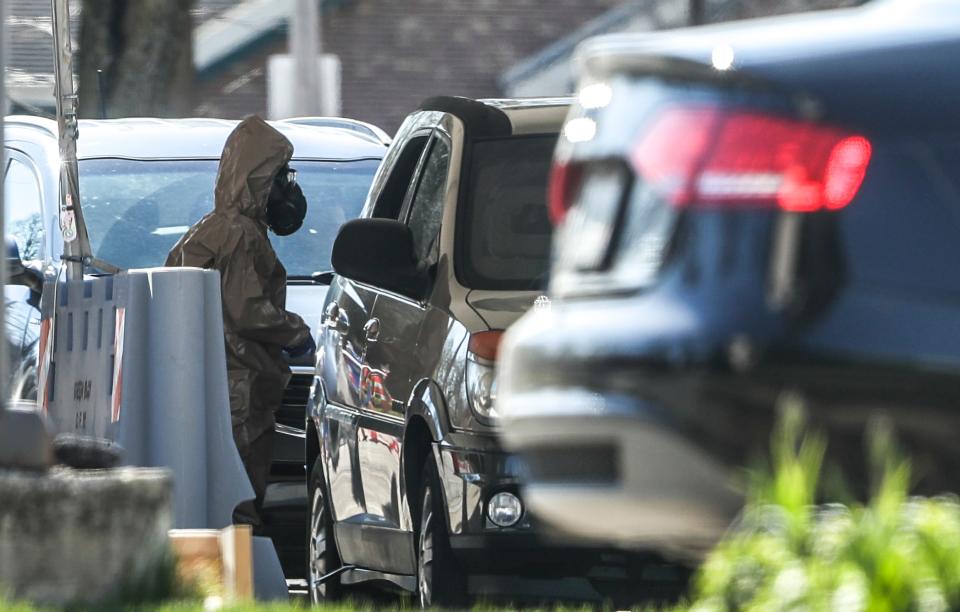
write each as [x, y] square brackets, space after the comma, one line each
[18, 273]
[379, 252]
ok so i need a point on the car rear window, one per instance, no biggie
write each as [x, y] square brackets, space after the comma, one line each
[505, 235]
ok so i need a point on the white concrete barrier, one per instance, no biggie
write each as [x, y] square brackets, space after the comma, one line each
[138, 359]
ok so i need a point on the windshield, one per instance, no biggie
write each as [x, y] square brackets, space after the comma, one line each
[136, 210]
[506, 240]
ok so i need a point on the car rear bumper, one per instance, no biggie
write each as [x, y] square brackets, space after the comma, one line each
[613, 470]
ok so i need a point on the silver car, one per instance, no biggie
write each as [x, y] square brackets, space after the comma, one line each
[143, 182]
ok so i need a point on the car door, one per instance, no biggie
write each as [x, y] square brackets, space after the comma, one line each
[394, 361]
[345, 371]
[23, 221]
[341, 365]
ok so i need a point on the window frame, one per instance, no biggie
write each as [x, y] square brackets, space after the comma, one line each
[11, 154]
[381, 198]
[413, 190]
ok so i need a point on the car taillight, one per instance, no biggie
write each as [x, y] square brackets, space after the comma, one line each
[564, 179]
[486, 344]
[710, 156]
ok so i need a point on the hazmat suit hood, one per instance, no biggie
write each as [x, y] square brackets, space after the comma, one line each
[232, 239]
[252, 156]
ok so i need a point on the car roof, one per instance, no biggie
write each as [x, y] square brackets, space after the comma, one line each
[149, 138]
[890, 60]
[354, 125]
[513, 105]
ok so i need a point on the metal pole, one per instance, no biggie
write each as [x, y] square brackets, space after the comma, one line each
[321, 93]
[102, 93]
[76, 244]
[4, 392]
[305, 49]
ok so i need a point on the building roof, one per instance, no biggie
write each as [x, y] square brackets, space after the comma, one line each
[29, 39]
[628, 16]
[235, 28]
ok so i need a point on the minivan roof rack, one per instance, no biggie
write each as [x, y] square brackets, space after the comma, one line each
[480, 120]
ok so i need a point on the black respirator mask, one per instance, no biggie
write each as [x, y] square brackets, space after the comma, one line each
[286, 206]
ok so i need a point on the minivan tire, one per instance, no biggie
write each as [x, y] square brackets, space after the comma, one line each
[322, 554]
[440, 581]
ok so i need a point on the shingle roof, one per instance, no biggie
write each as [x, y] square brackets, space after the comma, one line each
[206, 9]
[29, 44]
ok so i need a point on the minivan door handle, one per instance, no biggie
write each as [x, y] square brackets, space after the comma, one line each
[335, 319]
[371, 329]
[343, 323]
[330, 315]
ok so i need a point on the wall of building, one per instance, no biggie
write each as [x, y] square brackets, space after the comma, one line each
[238, 87]
[394, 54]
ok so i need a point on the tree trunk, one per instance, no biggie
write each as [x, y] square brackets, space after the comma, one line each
[145, 50]
[698, 12]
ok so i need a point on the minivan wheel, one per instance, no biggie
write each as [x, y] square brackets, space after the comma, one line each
[322, 555]
[440, 581]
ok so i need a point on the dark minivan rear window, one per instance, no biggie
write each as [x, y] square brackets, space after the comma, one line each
[505, 233]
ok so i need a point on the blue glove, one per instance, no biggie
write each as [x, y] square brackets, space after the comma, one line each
[305, 348]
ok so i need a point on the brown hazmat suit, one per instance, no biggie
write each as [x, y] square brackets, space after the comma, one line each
[233, 240]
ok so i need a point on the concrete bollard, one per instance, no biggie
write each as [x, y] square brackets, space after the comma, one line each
[82, 537]
[24, 439]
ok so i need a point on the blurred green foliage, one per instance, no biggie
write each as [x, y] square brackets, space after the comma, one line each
[788, 553]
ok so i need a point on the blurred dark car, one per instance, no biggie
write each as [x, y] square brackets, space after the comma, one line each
[753, 215]
[143, 183]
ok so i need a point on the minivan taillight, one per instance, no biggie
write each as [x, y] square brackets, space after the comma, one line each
[565, 178]
[486, 344]
[708, 156]
[480, 375]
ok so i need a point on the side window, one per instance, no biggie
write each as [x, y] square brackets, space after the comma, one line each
[22, 218]
[426, 207]
[390, 200]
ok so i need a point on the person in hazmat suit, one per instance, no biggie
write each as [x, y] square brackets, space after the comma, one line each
[255, 190]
